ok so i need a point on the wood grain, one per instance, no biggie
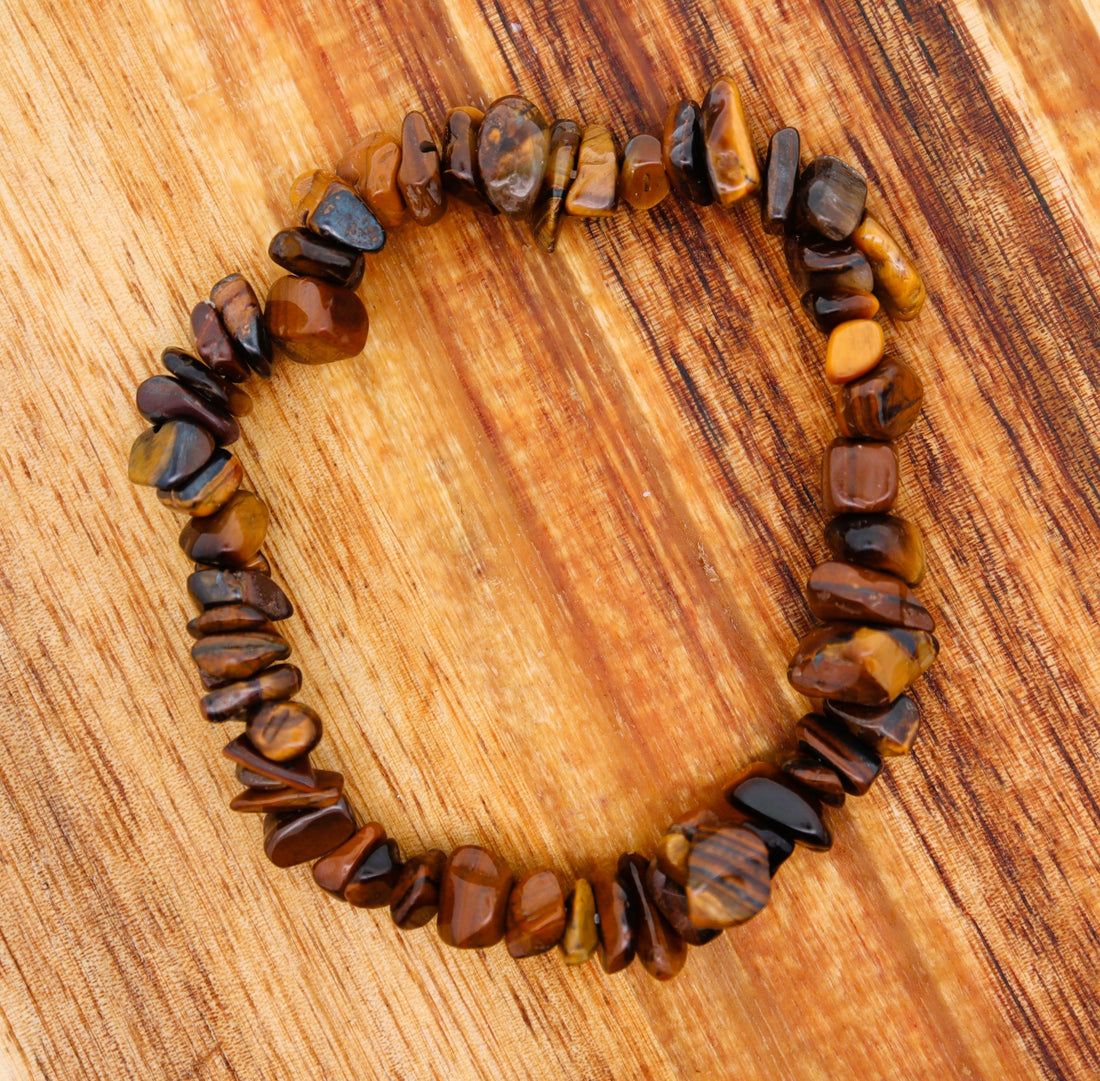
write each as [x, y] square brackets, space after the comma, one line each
[547, 538]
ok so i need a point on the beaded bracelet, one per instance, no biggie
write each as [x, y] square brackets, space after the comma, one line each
[713, 867]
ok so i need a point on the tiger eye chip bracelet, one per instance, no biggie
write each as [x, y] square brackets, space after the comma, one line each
[713, 867]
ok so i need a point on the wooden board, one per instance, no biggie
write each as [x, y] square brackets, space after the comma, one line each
[547, 538]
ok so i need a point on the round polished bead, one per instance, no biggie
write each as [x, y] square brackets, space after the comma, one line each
[281, 731]
[561, 168]
[643, 182]
[310, 255]
[168, 455]
[415, 898]
[859, 477]
[315, 322]
[881, 405]
[536, 914]
[473, 899]
[854, 349]
[732, 167]
[371, 167]
[594, 190]
[420, 174]
[896, 278]
[230, 536]
[512, 149]
[579, 938]
[684, 153]
[830, 198]
[880, 541]
[829, 309]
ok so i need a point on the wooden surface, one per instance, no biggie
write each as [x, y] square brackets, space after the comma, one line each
[547, 538]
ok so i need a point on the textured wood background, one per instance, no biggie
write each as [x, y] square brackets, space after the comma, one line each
[547, 537]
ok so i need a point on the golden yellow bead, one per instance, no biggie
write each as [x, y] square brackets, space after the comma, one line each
[854, 348]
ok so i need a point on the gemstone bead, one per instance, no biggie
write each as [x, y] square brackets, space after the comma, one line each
[339, 215]
[250, 779]
[615, 926]
[763, 792]
[561, 168]
[780, 181]
[810, 772]
[372, 882]
[830, 198]
[293, 837]
[210, 588]
[306, 191]
[856, 764]
[672, 855]
[227, 657]
[868, 665]
[660, 949]
[732, 167]
[371, 167]
[896, 279]
[230, 536]
[780, 847]
[227, 618]
[579, 938]
[729, 880]
[235, 700]
[473, 898]
[214, 345]
[168, 455]
[284, 730]
[193, 373]
[881, 405]
[332, 872]
[420, 176]
[684, 153]
[822, 266]
[854, 349]
[858, 477]
[296, 774]
[840, 591]
[827, 310]
[310, 255]
[890, 729]
[671, 900]
[415, 898]
[536, 914]
[512, 148]
[329, 788]
[162, 398]
[880, 541]
[594, 189]
[315, 322]
[643, 182]
[461, 179]
[241, 315]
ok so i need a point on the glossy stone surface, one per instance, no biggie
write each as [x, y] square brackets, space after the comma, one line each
[161, 457]
[461, 179]
[208, 489]
[890, 729]
[810, 772]
[881, 405]
[306, 192]
[856, 764]
[780, 181]
[616, 933]
[671, 900]
[858, 477]
[235, 700]
[371, 167]
[473, 898]
[241, 315]
[897, 281]
[228, 657]
[415, 898]
[512, 147]
[842, 591]
[296, 774]
[672, 855]
[337, 213]
[561, 168]
[308, 255]
[594, 190]
[829, 309]
[334, 871]
[420, 174]
[536, 914]
[868, 665]
[162, 398]
[880, 541]
[780, 846]
[643, 182]
[765, 793]
[660, 949]
[329, 788]
[193, 373]
[214, 345]
[314, 322]
[230, 536]
[729, 879]
[210, 588]
[822, 266]
[284, 730]
[732, 168]
[372, 882]
[854, 348]
[579, 938]
[251, 779]
[684, 153]
[293, 837]
[830, 198]
[227, 618]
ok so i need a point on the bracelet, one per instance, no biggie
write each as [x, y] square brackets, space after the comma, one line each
[713, 867]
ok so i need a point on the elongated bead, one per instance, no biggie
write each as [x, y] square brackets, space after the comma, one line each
[684, 152]
[897, 281]
[561, 169]
[461, 177]
[594, 190]
[371, 167]
[732, 167]
[420, 174]
[780, 181]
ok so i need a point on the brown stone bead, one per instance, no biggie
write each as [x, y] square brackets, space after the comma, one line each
[191, 372]
[897, 281]
[305, 253]
[251, 779]
[305, 193]
[732, 167]
[856, 764]
[643, 182]
[461, 179]
[729, 879]
[512, 149]
[854, 349]
[292, 837]
[672, 855]
[227, 618]
[209, 588]
[297, 773]
[334, 871]
[766, 794]
[214, 345]
[371, 168]
[415, 898]
[890, 729]
[780, 847]
[840, 591]
[780, 181]
[242, 317]
[561, 168]
[473, 898]
[615, 925]
[257, 563]
[827, 310]
[579, 938]
[880, 541]
[671, 899]
[660, 949]
[420, 176]
[228, 657]
[342, 217]
[822, 266]
[810, 772]
[830, 199]
[208, 489]
[868, 665]
[858, 477]
[371, 884]
[882, 405]
[284, 730]
[162, 398]
[161, 457]
[536, 914]
[330, 787]
[684, 153]
[314, 322]
[240, 401]
[233, 700]
[594, 190]
[230, 536]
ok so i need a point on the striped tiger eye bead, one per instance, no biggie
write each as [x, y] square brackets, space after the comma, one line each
[830, 198]
[473, 898]
[881, 405]
[579, 938]
[372, 883]
[890, 729]
[536, 914]
[732, 167]
[729, 880]
[856, 764]
[415, 898]
[684, 153]
[594, 190]
[229, 537]
[561, 170]
[333, 871]
[881, 541]
[660, 949]
[282, 730]
[896, 278]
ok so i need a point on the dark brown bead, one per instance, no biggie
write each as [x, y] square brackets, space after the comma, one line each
[419, 176]
[561, 168]
[303, 252]
[858, 477]
[580, 938]
[868, 665]
[251, 779]
[227, 618]
[296, 774]
[618, 935]
[214, 345]
[841, 591]
[415, 899]
[536, 914]
[330, 787]
[512, 147]
[461, 179]
[595, 188]
[209, 588]
[234, 700]
[314, 322]
[890, 729]
[161, 457]
[643, 182]
[671, 898]
[831, 197]
[473, 898]
[729, 879]
[162, 398]
[855, 763]
[810, 772]
[371, 884]
[660, 949]
[765, 793]
[238, 656]
[334, 871]
[193, 373]
[822, 266]
[880, 541]
[230, 536]
[780, 180]
[207, 490]
[684, 153]
[257, 563]
[780, 847]
[371, 168]
[732, 168]
[341, 216]
[881, 404]
[828, 310]
[293, 837]
[242, 317]
[284, 730]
